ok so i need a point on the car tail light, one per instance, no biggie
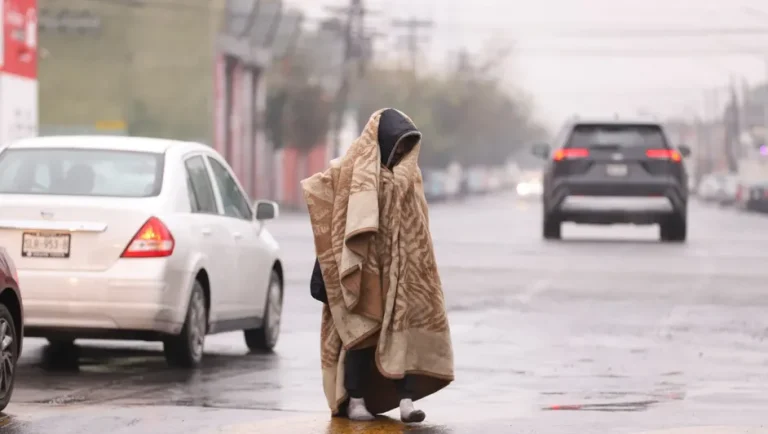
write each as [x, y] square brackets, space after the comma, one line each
[153, 240]
[570, 154]
[664, 154]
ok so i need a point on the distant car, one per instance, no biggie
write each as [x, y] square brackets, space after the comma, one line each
[727, 194]
[720, 188]
[477, 180]
[610, 172]
[529, 188]
[710, 188]
[434, 185]
[757, 197]
[11, 326]
[140, 239]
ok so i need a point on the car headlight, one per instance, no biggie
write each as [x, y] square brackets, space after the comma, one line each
[523, 188]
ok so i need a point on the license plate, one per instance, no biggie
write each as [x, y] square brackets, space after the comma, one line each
[616, 169]
[45, 245]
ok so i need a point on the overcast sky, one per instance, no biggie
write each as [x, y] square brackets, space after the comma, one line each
[563, 82]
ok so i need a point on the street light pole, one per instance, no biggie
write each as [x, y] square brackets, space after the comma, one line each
[765, 103]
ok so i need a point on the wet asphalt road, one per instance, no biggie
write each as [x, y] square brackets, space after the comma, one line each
[608, 331]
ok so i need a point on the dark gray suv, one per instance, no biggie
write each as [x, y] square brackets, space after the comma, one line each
[611, 172]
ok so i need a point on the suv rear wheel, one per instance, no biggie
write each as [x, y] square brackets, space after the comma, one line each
[674, 229]
[551, 227]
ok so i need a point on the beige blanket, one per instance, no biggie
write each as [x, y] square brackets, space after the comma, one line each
[373, 243]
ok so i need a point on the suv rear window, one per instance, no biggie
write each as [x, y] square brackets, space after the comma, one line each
[617, 136]
[81, 172]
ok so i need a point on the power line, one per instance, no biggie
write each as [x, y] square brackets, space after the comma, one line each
[355, 38]
[412, 27]
[671, 91]
[581, 33]
[644, 53]
[663, 33]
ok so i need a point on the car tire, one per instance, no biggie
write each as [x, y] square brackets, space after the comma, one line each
[185, 350]
[674, 229]
[9, 355]
[551, 227]
[265, 337]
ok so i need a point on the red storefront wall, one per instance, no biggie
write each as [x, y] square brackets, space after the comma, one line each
[292, 165]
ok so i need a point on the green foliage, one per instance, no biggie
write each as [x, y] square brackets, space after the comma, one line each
[307, 112]
[465, 117]
[298, 111]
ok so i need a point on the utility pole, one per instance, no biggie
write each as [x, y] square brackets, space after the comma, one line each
[765, 104]
[412, 27]
[354, 38]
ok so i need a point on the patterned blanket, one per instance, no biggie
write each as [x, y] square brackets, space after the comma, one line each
[371, 233]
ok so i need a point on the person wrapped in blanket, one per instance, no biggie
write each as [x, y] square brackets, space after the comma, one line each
[396, 137]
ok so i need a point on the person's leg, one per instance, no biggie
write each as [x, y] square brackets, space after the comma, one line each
[356, 369]
[405, 392]
[403, 387]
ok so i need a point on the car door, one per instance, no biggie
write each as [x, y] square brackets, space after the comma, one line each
[251, 255]
[210, 228]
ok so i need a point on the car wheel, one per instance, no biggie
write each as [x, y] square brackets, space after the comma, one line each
[674, 229]
[185, 350]
[9, 344]
[265, 337]
[551, 229]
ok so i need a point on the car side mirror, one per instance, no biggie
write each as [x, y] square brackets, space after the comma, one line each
[541, 150]
[266, 210]
[685, 151]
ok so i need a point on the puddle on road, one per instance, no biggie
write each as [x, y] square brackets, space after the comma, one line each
[606, 407]
[8, 425]
[617, 401]
[382, 425]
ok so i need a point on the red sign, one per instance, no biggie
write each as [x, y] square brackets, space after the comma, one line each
[19, 38]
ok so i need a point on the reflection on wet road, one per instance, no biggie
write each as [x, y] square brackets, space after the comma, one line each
[607, 331]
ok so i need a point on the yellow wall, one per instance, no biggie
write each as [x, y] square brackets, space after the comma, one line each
[150, 66]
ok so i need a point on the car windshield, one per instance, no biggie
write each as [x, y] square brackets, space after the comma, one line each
[80, 172]
[624, 136]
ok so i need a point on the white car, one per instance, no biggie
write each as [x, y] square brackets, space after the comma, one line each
[139, 239]
[529, 188]
[729, 190]
[710, 188]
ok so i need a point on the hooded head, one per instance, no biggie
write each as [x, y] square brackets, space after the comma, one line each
[397, 136]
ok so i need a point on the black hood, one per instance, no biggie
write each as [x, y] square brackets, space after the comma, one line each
[395, 130]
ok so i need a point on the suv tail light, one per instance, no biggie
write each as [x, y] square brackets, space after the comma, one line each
[570, 154]
[153, 240]
[664, 154]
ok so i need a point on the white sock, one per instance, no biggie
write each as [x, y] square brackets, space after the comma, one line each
[406, 408]
[408, 414]
[357, 411]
